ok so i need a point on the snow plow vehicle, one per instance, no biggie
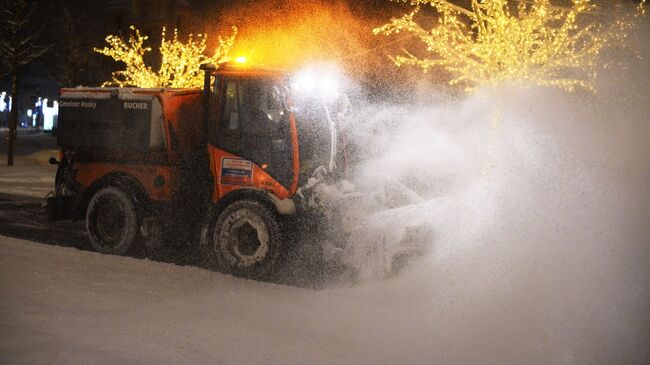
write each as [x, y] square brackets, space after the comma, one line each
[235, 163]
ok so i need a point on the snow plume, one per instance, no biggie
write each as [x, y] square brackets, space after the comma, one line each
[540, 205]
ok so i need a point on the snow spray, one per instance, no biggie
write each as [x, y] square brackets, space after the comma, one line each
[544, 254]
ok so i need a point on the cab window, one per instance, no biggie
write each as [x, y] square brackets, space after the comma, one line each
[253, 124]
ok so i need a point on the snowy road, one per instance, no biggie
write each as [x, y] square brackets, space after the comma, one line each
[65, 306]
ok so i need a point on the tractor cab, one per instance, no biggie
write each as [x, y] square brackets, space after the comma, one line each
[263, 133]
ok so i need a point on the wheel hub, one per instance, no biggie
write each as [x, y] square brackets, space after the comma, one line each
[110, 222]
[247, 239]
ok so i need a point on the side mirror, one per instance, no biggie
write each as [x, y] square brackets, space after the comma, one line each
[53, 161]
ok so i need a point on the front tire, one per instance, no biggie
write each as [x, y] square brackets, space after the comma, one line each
[244, 240]
[112, 221]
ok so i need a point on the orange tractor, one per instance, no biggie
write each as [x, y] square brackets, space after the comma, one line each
[234, 162]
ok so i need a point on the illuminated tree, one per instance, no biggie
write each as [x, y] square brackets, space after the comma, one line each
[524, 41]
[179, 61]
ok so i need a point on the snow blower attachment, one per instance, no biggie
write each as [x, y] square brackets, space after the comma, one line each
[235, 165]
[379, 231]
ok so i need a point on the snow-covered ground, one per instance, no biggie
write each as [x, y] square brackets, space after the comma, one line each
[31, 174]
[27, 180]
[64, 306]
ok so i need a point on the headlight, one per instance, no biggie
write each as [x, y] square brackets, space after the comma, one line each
[317, 82]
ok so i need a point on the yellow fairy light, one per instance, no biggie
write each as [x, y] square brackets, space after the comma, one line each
[179, 61]
[525, 41]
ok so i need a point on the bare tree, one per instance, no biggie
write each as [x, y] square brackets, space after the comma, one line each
[18, 37]
[72, 49]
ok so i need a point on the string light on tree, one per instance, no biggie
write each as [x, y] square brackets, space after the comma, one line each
[180, 61]
[524, 41]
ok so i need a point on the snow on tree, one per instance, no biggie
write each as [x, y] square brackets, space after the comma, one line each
[180, 61]
[524, 41]
[18, 37]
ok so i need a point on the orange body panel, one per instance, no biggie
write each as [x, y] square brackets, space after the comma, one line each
[183, 113]
[296, 153]
[259, 179]
[88, 173]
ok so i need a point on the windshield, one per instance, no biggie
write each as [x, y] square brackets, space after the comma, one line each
[313, 137]
[319, 126]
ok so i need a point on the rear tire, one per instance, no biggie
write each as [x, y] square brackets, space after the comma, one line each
[244, 240]
[112, 221]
